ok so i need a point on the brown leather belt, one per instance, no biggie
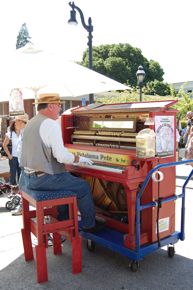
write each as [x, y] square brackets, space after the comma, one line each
[37, 173]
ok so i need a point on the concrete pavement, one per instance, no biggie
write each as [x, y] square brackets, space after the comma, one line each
[182, 171]
[102, 269]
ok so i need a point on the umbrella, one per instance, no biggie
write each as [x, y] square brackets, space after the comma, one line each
[43, 71]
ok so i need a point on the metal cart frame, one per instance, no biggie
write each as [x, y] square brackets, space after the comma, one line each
[113, 239]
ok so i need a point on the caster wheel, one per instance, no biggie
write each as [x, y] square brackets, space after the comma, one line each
[134, 266]
[90, 245]
[10, 205]
[171, 252]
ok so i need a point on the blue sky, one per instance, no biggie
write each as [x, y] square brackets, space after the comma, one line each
[162, 29]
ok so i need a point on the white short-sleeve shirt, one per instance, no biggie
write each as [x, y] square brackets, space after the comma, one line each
[15, 141]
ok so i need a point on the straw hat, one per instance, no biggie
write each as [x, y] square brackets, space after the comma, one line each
[24, 118]
[48, 98]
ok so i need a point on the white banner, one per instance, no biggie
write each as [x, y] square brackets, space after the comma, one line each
[164, 129]
[16, 105]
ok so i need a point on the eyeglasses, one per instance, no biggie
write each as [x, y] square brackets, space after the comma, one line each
[58, 105]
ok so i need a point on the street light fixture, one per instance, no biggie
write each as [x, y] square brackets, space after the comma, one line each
[140, 78]
[88, 28]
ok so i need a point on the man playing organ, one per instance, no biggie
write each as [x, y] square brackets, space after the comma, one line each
[43, 160]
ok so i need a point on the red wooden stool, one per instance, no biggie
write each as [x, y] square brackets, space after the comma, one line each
[34, 222]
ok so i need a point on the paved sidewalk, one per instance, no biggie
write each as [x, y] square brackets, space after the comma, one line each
[102, 269]
[182, 172]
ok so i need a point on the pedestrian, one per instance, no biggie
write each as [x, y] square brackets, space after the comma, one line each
[189, 149]
[43, 160]
[189, 117]
[22, 119]
[10, 144]
[181, 141]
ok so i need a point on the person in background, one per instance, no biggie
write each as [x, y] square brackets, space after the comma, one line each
[24, 119]
[189, 147]
[189, 117]
[13, 135]
[43, 160]
[181, 142]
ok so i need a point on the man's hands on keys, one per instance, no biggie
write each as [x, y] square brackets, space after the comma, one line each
[85, 161]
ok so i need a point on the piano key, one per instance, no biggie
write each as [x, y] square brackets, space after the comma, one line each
[103, 167]
[107, 168]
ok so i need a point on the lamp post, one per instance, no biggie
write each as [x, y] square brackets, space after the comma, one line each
[140, 78]
[88, 28]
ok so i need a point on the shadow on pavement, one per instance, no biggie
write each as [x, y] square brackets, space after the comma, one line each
[3, 209]
[102, 269]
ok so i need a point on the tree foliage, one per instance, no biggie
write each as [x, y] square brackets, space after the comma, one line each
[155, 71]
[128, 96]
[120, 62]
[23, 36]
[185, 104]
[157, 88]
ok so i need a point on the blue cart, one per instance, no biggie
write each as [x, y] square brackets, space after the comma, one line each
[113, 239]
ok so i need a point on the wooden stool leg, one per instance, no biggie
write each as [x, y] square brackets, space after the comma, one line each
[26, 214]
[41, 259]
[27, 245]
[57, 247]
[41, 264]
[26, 231]
[76, 255]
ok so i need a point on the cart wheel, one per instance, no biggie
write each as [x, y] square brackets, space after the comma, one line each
[171, 252]
[10, 205]
[90, 245]
[134, 266]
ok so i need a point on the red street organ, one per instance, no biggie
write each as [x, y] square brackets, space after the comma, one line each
[107, 134]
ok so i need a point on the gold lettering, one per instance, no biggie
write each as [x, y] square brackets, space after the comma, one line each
[112, 158]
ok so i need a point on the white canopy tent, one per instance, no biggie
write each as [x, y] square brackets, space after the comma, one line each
[45, 72]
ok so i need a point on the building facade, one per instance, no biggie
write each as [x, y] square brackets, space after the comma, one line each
[187, 86]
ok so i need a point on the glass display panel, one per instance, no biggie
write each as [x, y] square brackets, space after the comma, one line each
[104, 124]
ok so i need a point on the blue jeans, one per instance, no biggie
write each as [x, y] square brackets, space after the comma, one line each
[68, 184]
[14, 171]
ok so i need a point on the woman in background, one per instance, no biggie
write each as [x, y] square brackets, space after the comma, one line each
[13, 134]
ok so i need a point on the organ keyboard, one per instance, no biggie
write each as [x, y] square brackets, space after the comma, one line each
[103, 167]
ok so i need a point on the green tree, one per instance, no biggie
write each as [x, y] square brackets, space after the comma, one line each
[121, 61]
[173, 91]
[155, 71]
[157, 88]
[23, 36]
[116, 68]
[185, 104]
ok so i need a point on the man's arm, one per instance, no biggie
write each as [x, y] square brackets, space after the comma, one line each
[51, 135]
